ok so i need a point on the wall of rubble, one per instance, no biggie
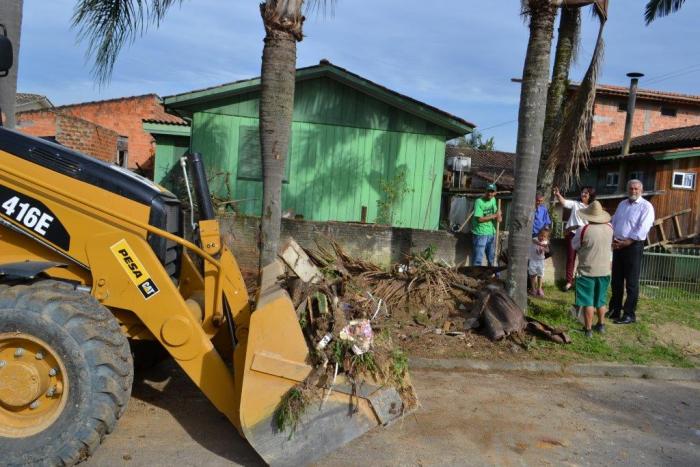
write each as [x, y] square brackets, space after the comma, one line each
[383, 245]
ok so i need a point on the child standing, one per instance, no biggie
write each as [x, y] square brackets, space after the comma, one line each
[535, 265]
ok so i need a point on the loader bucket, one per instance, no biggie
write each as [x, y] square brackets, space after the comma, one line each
[276, 360]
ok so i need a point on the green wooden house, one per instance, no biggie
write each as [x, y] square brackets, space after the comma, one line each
[354, 143]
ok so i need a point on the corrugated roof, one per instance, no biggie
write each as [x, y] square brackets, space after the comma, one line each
[488, 164]
[482, 159]
[674, 138]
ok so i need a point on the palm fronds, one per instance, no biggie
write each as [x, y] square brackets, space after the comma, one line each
[659, 8]
[107, 25]
[570, 150]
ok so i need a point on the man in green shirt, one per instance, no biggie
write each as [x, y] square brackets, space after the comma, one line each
[486, 215]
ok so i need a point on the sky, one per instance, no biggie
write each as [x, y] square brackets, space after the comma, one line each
[458, 55]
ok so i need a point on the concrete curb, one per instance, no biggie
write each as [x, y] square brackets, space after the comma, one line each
[577, 369]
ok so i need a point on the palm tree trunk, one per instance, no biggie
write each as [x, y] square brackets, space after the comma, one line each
[567, 44]
[283, 28]
[531, 115]
[11, 17]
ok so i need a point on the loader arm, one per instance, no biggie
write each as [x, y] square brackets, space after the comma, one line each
[121, 238]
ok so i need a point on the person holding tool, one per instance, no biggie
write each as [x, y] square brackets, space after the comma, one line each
[486, 216]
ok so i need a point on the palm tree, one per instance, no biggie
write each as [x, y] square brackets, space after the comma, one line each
[531, 116]
[283, 28]
[108, 24]
[565, 146]
[11, 18]
[568, 41]
[658, 8]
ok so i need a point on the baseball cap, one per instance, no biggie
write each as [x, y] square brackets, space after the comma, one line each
[491, 187]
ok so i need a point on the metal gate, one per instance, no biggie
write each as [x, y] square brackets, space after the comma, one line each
[671, 272]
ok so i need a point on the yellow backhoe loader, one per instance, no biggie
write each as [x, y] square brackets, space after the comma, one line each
[92, 255]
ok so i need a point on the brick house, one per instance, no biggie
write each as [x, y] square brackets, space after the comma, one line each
[668, 163]
[110, 130]
[654, 111]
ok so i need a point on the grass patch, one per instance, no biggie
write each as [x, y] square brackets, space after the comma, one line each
[624, 344]
[290, 410]
[399, 366]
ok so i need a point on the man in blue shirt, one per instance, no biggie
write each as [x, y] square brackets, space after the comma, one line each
[542, 218]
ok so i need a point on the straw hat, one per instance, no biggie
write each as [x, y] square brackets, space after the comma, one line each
[595, 214]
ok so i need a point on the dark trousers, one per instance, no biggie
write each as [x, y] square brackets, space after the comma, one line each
[626, 267]
[570, 258]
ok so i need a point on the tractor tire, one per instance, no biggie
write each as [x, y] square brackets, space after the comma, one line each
[49, 322]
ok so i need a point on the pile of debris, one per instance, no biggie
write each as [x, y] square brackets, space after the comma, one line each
[349, 310]
[441, 299]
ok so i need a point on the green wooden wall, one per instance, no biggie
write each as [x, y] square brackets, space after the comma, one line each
[344, 144]
[169, 150]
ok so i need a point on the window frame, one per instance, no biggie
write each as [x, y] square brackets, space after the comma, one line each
[636, 174]
[682, 186]
[607, 178]
[242, 149]
[671, 112]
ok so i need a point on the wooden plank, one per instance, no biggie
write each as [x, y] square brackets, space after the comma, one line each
[659, 220]
[662, 234]
[677, 227]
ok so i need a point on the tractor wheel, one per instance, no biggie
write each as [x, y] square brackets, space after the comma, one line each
[65, 374]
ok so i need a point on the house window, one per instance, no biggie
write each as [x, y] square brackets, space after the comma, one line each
[636, 175]
[123, 151]
[622, 106]
[685, 180]
[612, 179]
[669, 111]
[249, 156]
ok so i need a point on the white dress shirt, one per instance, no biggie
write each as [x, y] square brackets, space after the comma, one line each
[633, 219]
[574, 219]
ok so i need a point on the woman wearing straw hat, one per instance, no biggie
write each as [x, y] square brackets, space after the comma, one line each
[593, 242]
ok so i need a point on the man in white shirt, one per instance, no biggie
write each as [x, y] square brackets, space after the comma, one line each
[631, 223]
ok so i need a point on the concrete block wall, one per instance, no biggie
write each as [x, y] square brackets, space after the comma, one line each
[381, 244]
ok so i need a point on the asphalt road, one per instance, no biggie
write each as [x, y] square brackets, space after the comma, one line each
[466, 419]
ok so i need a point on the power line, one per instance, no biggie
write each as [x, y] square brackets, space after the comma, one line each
[497, 125]
[683, 73]
[657, 77]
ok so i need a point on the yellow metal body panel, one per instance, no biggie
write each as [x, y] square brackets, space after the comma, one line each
[109, 253]
[97, 220]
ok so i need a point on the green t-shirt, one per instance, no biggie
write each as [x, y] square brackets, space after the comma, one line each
[484, 208]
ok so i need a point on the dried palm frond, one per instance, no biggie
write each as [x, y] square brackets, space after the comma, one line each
[570, 150]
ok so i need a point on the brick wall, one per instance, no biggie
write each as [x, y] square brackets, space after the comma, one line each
[380, 244]
[124, 116]
[72, 132]
[609, 122]
[37, 123]
[86, 137]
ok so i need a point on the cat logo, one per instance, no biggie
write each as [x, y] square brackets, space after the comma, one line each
[134, 269]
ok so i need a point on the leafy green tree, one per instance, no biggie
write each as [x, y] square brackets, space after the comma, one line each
[474, 141]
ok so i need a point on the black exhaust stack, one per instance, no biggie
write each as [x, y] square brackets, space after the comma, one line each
[201, 186]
